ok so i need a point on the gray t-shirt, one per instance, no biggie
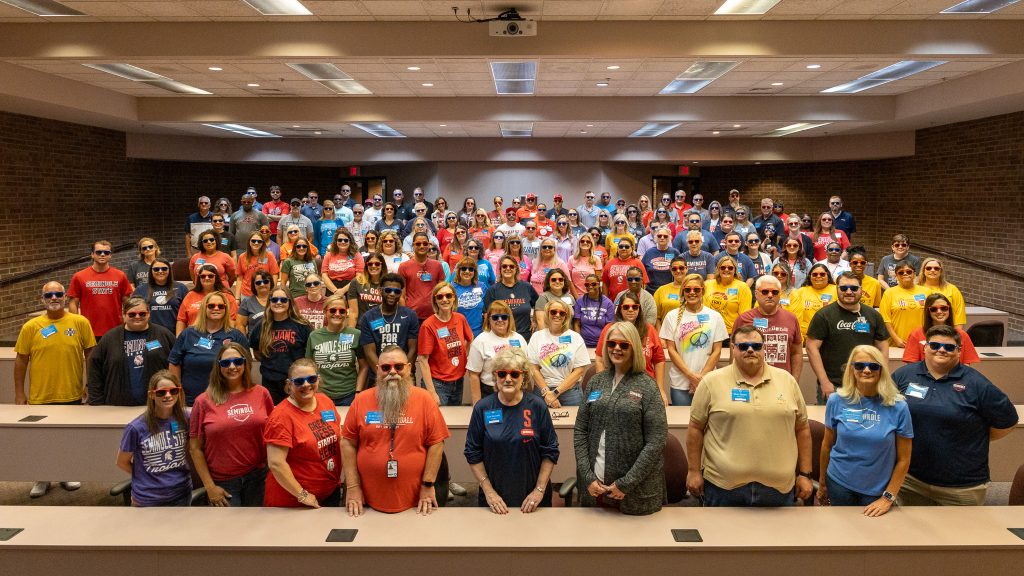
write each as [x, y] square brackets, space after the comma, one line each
[888, 267]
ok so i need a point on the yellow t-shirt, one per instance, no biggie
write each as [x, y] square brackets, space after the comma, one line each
[903, 309]
[791, 301]
[810, 301]
[56, 357]
[955, 298]
[729, 300]
[667, 299]
[611, 242]
[870, 291]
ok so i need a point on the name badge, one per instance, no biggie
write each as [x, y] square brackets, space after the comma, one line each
[48, 331]
[377, 324]
[853, 416]
[345, 338]
[594, 396]
[761, 323]
[861, 327]
[442, 332]
[374, 418]
[702, 318]
[492, 416]
[328, 415]
[205, 343]
[673, 297]
[740, 395]
[784, 301]
[917, 391]
[200, 261]
[392, 468]
[174, 426]
[515, 343]
[396, 259]
[153, 345]
[733, 291]
[826, 298]
[426, 277]
[919, 298]
[565, 339]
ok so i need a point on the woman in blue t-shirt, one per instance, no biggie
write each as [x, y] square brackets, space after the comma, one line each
[196, 348]
[865, 453]
[469, 293]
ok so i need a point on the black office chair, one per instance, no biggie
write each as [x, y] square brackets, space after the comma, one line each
[987, 333]
[675, 474]
[817, 436]
[124, 490]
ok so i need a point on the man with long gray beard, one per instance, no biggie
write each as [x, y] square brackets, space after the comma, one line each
[392, 442]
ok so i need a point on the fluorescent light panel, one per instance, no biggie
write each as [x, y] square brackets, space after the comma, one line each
[897, 71]
[653, 129]
[331, 76]
[279, 7]
[514, 77]
[746, 6]
[141, 75]
[794, 128]
[697, 76]
[43, 7]
[516, 129]
[979, 6]
[379, 130]
[243, 130]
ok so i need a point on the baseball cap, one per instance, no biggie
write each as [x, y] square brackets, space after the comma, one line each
[531, 196]
[295, 201]
[510, 211]
[558, 197]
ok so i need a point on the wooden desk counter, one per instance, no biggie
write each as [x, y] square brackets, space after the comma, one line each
[119, 541]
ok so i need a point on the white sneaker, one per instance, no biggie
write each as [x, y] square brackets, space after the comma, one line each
[39, 489]
[71, 486]
[456, 489]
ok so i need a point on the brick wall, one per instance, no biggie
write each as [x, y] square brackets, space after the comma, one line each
[962, 193]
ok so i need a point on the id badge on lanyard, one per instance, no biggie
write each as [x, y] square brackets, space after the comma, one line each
[392, 467]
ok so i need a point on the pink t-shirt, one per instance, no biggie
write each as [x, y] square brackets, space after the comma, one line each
[232, 433]
[540, 271]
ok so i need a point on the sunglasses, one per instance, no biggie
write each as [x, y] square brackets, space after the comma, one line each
[391, 291]
[389, 241]
[261, 282]
[466, 269]
[556, 313]
[338, 311]
[313, 284]
[421, 244]
[302, 381]
[871, 366]
[508, 266]
[905, 273]
[216, 221]
[834, 250]
[557, 279]
[692, 290]
[373, 264]
[213, 306]
[279, 300]
[547, 247]
[159, 269]
[726, 268]
[769, 292]
[900, 244]
[502, 374]
[301, 246]
[932, 269]
[397, 367]
[255, 242]
[744, 346]
[445, 296]
[629, 307]
[343, 241]
[237, 362]
[293, 232]
[591, 284]
[205, 241]
[499, 317]
[939, 309]
[207, 276]
[936, 346]
[164, 392]
[694, 242]
[849, 288]
[632, 279]
[137, 314]
[619, 345]
[819, 275]
[147, 248]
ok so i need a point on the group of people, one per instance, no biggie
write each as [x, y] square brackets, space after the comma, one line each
[394, 309]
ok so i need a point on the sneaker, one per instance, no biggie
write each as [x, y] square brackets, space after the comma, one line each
[71, 486]
[456, 489]
[39, 489]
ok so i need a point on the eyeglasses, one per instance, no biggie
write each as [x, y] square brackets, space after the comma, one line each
[558, 279]
[293, 232]
[933, 269]
[373, 264]
[343, 241]
[939, 309]
[302, 381]
[215, 306]
[444, 296]
[467, 269]
[396, 366]
[261, 282]
[301, 246]
[834, 203]
[326, 208]
[780, 274]
[632, 279]
[502, 374]
[694, 221]
[849, 288]
[591, 197]
[338, 311]
[905, 273]
[726, 268]
[692, 290]
[217, 221]
[591, 284]
[164, 392]
[508, 266]
[556, 313]
[819, 274]
[936, 346]
[205, 241]
[826, 219]
[767, 292]
[793, 244]
[531, 227]
[388, 241]
[137, 314]
[694, 242]
[147, 248]
[547, 247]
[159, 269]
[870, 366]
[834, 250]
[421, 244]
[744, 346]
[499, 317]
[733, 241]
[619, 345]
[514, 242]
[391, 291]
[629, 307]
[279, 300]
[753, 241]
[313, 284]
[499, 237]
[472, 248]
[678, 268]
[207, 276]
[900, 244]
[624, 246]
[256, 242]
[237, 362]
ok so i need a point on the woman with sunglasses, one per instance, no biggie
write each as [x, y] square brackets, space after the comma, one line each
[692, 334]
[742, 223]
[253, 307]
[359, 226]
[292, 236]
[138, 271]
[484, 270]
[207, 282]
[565, 242]
[620, 431]
[499, 333]
[370, 244]
[938, 311]
[514, 250]
[446, 233]
[364, 291]
[556, 287]
[593, 311]
[932, 279]
[833, 261]
[154, 447]
[439, 215]
[456, 248]
[670, 296]
[162, 294]
[546, 261]
[865, 453]
[558, 357]
[296, 267]
[126, 357]
[714, 219]
[496, 249]
[226, 432]
[629, 310]
[663, 218]
[794, 231]
[604, 224]
[466, 214]
[752, 248]
[795, 258]
[303, 452]
[311, 304]
[585, 262]
[339, 357]
[443, 346]
[389, 219]
[903, 306]
[824, 233]
[787, 296]
[481, 229]
[519, 295]
[633, 223]
[209, 255]
[819, 290]
[416, 225]
[341, 262]
[196, 348]
[389, 249]
[511, 444]
[325, 227]
[620, 231]
[576, 227]
[637, 286]
[255, 258]
[728, 295]
[646, 213]
[277, 340]
[870, 288]
[469, 293]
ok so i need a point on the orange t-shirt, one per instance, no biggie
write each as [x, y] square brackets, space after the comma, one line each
[222, 262]
[421, 426]
[446, 345]
[189, 309]
[314, 450]
[248, 266]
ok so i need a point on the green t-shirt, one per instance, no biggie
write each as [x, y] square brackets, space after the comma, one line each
[296, 271]
[336, 355]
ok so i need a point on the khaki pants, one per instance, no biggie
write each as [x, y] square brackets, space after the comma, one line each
[916, 493]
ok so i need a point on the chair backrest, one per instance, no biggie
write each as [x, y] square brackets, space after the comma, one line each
[441, 482]
[180, 270]
[1017, 488]
[817, 435]
[675, 469]
[591, 370]
[987, 333]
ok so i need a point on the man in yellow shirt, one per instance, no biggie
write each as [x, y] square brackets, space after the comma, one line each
[51, 349]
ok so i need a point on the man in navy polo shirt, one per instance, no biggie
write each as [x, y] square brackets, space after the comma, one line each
[956, 413]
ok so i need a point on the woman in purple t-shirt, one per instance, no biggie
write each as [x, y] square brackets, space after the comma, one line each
[592, 311]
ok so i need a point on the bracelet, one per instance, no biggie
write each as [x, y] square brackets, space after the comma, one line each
[302, 496]
[539, 489]
[482, 480]
[351, 486]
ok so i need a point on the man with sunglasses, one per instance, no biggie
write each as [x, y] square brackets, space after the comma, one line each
[606, 203]
[588, 210]
[698, 261]
[197, 223]
[420, 273]
[389, 324]
[545, 226]
[97, 292]
[693, 223]
[374, 212]
[956, 412]
[247, 220]
[900, 253]
[680, 206]
[51, 350]
[511, 227]
[312, 209]
[557, 210]
[767, 217]
[745, 269]
[783, 346]
[748, 442]
[698, 207]
[837, 329]
[528, 212]
[658, 260]
[841, 219]
[275, 209]
[392, 442]
[734, 205]
[295, 218]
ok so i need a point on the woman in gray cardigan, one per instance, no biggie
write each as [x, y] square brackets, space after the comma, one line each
[620, 431]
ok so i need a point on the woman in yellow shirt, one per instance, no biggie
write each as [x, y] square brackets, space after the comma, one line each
[902, 306]
[788, 297]
[726, 294]
[870, 288]
[620, 230]
[667, 297]
[932, 280]
[818, 291]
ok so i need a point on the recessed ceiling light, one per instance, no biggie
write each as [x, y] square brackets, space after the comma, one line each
[514, 77]
[978, 6]
[698, 76]
[613, 67]
[653, 129]
[43, 7]
[443, 125]
[379, 130]
[427, 84]
[602, 84]
[243, 130]
[583, 131]
[296, 126]
[737, 126]
[794, 128]
[888, 74]
[746, 6]
[516, 129]
[776, 83]
[279, 7]
[590, 125]
[716, 132]
[215, 68]
[143, 76]
[413, 68]
[318, 132]
[813, 66]
[331, 77]
[253, 85]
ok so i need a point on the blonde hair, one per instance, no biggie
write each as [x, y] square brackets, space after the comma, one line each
[499, 307]
[513, 358]
[631, 335]
[886, 387]
[942, 271]
[559, 303]
[433, 296]
[200, 322]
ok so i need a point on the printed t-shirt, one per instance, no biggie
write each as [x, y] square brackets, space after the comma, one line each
[232, 432]
[914, 351]
[314, 453]
[870, 291]
[614, 275]
[100, 295]
[840, 332]
[781, 333]
[658, 264]
[730, 300]
[313, 312]
[593, 316]
[811, 300]
[420, 426]
[952, 293]
[341, 269]
[446, 345]
[296, 271]
[484, 348]
[249, 265]
[521, 298]
[903, 309]
[134, 347]
[579, 269]
[557, 356]
[694, 336]
[160, 471]
[864, 453]
[366, 296]
[470, 301]
[288, 340]
[189, 309]
[165, 303]
[222, 262]
[667, 299]
[195, 352]
[395, 329]
[336, 355]
[419, 281]
[56, 349]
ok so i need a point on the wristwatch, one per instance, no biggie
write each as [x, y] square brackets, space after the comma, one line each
[554, 391]
[806, 475]
[889, 496]
[428, 484]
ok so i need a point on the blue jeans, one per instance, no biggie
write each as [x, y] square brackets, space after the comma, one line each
[246, 490]
[450, 393]
[571, 397]
[680, 397]
[754, 494]
[344, 400]
[840, 495]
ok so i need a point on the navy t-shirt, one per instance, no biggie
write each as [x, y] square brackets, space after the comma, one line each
[163, 306]
[195, 352]
[659, 267]
[135, 364]
[521, 298]
[951, 418]
[287, 344]
[512, 442]
[395, 329]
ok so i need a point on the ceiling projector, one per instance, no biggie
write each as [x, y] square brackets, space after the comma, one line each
[510, 23]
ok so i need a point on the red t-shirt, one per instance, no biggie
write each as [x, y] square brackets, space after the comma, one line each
[419, 281]
[341, 269]
[232, 433]
[824, 240]
[781, 333]
[653, 350]
[914, 352]
[100, 295]
[614, 275]
[222, 262]
[248, 266]
[545, 228]
[313, 312]
[189, 309]
[680, 213]
[446, 345]
[276, 208]
[314, 453]
[421, 426]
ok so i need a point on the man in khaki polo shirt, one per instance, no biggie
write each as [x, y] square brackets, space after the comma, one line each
[748, 431]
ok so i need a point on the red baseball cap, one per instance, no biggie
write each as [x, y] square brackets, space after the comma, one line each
[510, 211]
[558, 197]
[531, 196]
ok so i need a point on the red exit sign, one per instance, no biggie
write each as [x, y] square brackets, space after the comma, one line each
[353, 171]
[684, 171]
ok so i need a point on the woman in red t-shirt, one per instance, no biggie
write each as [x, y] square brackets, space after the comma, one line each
[302, 444]
[443, 347]
[342, 261]
[207, 281]
[937, 310]
[824, 233]
[629, 311]
[255, 258]
[208, 254]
